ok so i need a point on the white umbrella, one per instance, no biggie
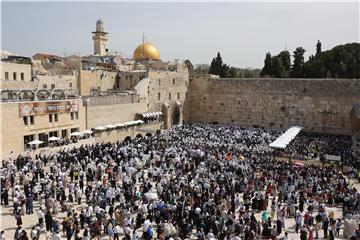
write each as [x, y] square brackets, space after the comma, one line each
[75, 134]
[53, 138]
[35, 142]
[87, 131]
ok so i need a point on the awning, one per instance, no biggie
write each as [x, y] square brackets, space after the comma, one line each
[286, 138]
[150, 114]
[75, 134]
[35, 142]
[119, 125]
[87, 131]
[110, 126]
[100, 128]
[53, 138]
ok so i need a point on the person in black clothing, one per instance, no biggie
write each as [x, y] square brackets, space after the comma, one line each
[48, 221]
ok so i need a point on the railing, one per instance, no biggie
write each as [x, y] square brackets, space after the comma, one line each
[109, 100]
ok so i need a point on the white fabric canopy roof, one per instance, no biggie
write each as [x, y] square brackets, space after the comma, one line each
[53, 138]
[100, 128]
[286, 138]
[87, 131]
[151, 114]
[110, 126]
[35, 142]
[75, 134]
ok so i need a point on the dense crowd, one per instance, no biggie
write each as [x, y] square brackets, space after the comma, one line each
[195, 181]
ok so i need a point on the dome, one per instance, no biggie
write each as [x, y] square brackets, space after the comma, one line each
[99, 25]
[146, 51]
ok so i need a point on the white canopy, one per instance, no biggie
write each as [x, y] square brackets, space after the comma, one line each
[286, 138]
[100, 128]
[35, 142]
[75, 134]
[53, 138]
[87, 131]
[119, 125]
[151, 114]
[110, 126]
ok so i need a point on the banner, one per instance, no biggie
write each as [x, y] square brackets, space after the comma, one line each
[48, 107]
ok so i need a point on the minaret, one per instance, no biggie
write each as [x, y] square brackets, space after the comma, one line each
[100, 38]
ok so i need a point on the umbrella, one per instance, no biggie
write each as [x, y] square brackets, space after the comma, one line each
[87, 131]
[35, 142]
[75, 134]
[53, 138]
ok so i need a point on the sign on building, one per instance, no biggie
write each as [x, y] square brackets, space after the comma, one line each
[48, 107]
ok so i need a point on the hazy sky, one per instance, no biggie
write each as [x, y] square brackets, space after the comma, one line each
[242, 32]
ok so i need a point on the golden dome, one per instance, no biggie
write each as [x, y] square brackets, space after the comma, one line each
[146, 51]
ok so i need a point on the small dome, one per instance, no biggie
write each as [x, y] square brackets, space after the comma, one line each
[146, 51]
[99, 25]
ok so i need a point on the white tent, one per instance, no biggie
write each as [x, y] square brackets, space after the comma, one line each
[75, 134]
[286, 138]
[53, 138]
[87, 131]
[35, 142]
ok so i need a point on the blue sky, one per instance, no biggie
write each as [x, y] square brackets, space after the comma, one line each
[242, 32]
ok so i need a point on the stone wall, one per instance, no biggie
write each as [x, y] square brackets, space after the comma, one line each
[97, 79]
[320, 105]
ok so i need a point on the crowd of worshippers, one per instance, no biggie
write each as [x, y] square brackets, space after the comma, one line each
[313, 145]
[197, 180]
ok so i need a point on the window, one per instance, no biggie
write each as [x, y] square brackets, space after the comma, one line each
[77, 115]
[56, 117]
[178, 95]
[28, 138]
[72, 115]
[52, 86]
[44, 86]
[14, 75]
[169, 96]
[64, 133]
[159, 82]
[173, 81]
[158, 96]
[50, 118]
[32, 120]
[70, 84]
[6, 75]
[22, 76]
[25, 120]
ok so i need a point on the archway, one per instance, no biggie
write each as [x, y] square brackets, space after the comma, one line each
[176, 115]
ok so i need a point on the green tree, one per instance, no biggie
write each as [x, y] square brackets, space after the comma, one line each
[224, 73]
[297, 70]
[216, 65]
[286, 62]
[277, 69]
[233, 72]
[267, 69]
[318, 47]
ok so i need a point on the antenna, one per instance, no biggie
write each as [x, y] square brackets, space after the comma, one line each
[143, 42]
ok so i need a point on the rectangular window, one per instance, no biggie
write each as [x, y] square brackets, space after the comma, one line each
[158, 96]
[22, 76]
[77, 115]
[178, 95]
[50, 118]
[25, 120]
[72, 115]
[28, 138]
[169, 96]
[70, 84]
[56, 117]
[52, 86]
[6, 75]
[14, 75]
[173, 81]
[32, 120]
[64, 133]
[44, 86]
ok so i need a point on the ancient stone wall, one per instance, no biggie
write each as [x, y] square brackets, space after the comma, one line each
[320, 105]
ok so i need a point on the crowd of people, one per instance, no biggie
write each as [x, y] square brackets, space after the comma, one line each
[194, 181]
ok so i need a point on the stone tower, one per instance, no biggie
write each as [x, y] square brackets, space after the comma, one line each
[100, 38]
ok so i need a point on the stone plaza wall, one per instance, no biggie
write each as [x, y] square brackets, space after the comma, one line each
[319, 105]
